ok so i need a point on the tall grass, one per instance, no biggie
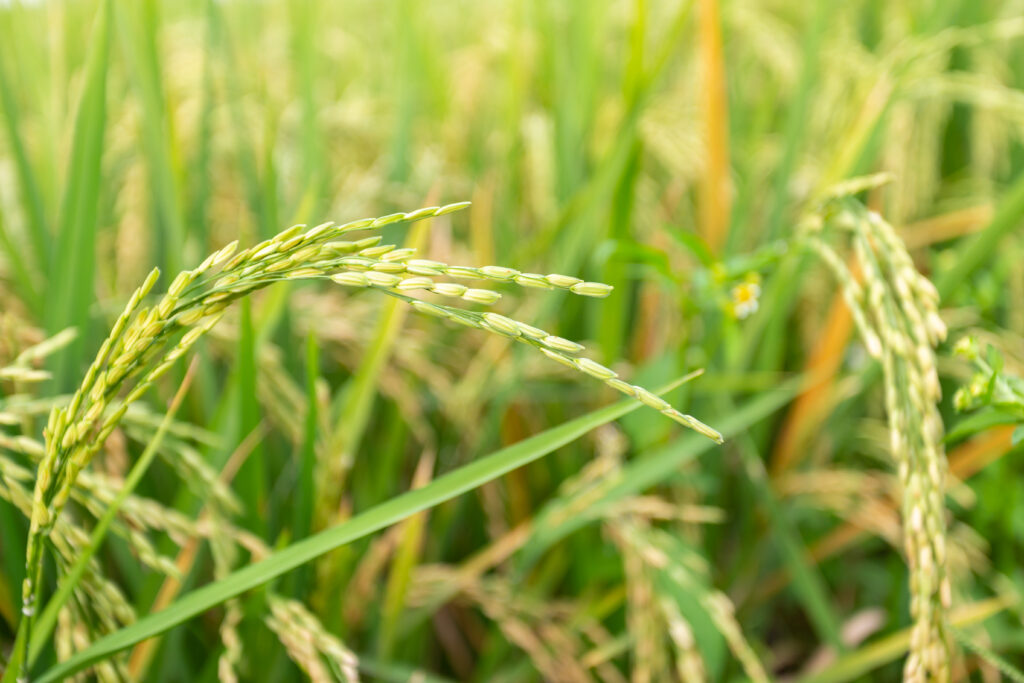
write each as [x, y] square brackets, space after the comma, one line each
[339, 488]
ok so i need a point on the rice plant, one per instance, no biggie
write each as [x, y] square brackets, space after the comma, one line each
[376, 450]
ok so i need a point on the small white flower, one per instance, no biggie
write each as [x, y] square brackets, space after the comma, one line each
[744, 299]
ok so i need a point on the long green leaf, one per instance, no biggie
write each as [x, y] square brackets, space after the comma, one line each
[72, 276]
[32, 198]
[251, 480]
[647, 471]
[24, 279]
[1007, 217]
[302, 521]
[401, 507]
[138, 24]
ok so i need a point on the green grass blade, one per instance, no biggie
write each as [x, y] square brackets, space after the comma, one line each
[650, 470]
[251, 481]
[808, 585]
[13, 529]
[302, 522]
[32, 198]
[401, 507]
[615, 313]
[796, 117]
[138, 25]
[72, 275]
[983, 245]
[304, 26]
[406, 558]
[249, 164]
[24, 280]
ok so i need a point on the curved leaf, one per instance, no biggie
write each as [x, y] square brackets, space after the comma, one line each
[395, 510]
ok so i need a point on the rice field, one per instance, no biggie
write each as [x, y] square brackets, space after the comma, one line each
[616, 340]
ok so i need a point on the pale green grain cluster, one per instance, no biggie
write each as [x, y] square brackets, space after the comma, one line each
[689, 663]
[551, 633]
[564, 352]
[309, 644]
[315, 650]
[895, 310]
[691, 575]
[108, 609]
[94, 492]
[229, 660]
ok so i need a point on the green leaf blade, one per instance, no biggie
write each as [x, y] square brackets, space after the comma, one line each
[401, 507]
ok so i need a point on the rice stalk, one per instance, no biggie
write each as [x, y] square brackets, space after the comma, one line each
[309, 644]
[895, 311]
[689, 662]
[131, 359]
[690, 573]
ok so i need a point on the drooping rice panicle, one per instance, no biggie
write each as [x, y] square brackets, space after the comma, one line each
[895, 310]
[690, 573]
[132, 357]
[309, 644]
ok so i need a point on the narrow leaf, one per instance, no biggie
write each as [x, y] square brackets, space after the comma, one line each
[401, 507]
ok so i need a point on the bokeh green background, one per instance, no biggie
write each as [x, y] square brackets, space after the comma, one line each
[631, 142]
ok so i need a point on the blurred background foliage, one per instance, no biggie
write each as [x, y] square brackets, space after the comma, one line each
[667, 148]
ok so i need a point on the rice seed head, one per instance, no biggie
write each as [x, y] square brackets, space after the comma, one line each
[379, 250]
[387, 220]
[500, 324]
[356, 225]
[413, 283]
[481, 296]
[560, 344]
[559, 358]
[451, 208]
[498, 272]
[399, 254]
[382, 279]
[594, 289]
[463, 272]
[532, 280]
[425, 212]
[428, 308]
[562, 281]
[448, 288]
[130, 359]
[896, 315]
[531, 331]
[351, 279]
[595, 369]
